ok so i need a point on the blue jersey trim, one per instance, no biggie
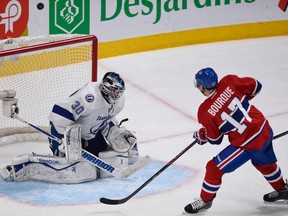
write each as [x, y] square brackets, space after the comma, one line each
[63, 112]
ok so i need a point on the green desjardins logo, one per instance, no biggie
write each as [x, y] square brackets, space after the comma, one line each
[69, 16]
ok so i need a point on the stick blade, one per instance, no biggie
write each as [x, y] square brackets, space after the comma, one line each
[125, 173]
[142, 162]
[113, 202]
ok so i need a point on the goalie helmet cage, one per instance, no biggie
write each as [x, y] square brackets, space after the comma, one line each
[43, 70]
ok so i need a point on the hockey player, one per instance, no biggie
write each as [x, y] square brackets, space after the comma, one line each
[227, 111]
[85, 120]
[95, 107]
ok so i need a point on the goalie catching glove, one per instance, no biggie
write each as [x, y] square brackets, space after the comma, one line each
[119, 138]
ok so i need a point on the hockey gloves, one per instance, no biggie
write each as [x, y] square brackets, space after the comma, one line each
[201, 136]
[121, 139]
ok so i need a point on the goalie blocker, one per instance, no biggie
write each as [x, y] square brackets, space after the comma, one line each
[9, 103]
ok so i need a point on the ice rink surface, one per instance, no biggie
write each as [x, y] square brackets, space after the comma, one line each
[161, 104]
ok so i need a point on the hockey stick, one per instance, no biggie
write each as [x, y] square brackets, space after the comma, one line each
[121, 201]
[15, 116]
[96, 161]
[280, 135]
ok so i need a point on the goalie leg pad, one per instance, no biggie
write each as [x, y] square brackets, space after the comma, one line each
[116, 159]
[70, 173]
[72, 142]
[51, 169]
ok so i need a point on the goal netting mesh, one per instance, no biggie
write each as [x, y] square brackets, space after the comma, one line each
[42, 70]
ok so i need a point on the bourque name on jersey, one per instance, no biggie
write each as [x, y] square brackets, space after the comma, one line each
[220, 101]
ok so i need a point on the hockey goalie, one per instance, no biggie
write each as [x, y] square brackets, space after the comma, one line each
[85, 138]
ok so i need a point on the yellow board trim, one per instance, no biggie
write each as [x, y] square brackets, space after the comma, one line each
[147, 43]
[191, 37]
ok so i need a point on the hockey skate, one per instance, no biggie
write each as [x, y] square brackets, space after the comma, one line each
[6, 173]
[277, 197]
[197, 206]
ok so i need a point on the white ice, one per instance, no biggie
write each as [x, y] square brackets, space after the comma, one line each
[161, 104]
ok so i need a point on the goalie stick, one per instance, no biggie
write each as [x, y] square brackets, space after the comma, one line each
[123, 200]
[96, 161]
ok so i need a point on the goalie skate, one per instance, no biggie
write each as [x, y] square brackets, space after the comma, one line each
[6, 174]
[277, 197]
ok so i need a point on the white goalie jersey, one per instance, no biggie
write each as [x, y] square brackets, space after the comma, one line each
[86, 107]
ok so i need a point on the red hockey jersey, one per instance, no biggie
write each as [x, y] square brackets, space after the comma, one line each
[228, 111]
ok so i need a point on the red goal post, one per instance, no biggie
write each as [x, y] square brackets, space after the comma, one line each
[43, 70]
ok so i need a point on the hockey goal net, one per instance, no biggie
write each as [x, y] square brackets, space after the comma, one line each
[42, 70]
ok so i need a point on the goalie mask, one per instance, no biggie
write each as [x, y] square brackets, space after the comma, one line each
[112, 86]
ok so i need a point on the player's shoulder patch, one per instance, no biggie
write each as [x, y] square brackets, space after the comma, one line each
[89, 98]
